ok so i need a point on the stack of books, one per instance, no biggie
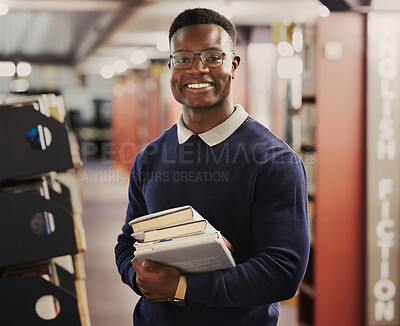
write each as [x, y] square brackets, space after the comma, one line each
[182, 238]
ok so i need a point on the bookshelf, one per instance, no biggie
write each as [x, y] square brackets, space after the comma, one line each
[334, 281]
[42, 240]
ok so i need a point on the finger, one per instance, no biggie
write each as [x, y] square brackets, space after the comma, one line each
[153, 267]
[153, 296]
[157, 299]
[146, 264]
[228, 244]
[136, 265]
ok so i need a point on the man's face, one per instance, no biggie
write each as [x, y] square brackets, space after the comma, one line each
[201, 86]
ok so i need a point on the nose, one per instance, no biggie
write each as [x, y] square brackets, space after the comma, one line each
[198, 65]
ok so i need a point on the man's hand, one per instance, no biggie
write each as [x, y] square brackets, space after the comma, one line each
[157, 282]
[228, 244]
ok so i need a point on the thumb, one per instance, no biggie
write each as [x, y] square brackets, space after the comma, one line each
[146, 264]
[136, 265]
[152, 266]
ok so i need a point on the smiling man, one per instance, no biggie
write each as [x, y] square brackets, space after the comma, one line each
[259, 205]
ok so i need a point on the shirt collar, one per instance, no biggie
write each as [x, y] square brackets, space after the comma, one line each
[219, 133]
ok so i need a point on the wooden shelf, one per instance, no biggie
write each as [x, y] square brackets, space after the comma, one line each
[340, 186]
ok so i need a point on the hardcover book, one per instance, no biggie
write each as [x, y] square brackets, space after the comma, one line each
[173, 231]
[164, 218]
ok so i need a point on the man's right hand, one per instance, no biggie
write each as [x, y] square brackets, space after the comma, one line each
[228, 244]
[157, 282]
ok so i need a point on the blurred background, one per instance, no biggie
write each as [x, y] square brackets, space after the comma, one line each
[322, 75]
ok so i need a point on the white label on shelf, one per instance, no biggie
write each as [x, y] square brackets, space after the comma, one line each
[383, 169]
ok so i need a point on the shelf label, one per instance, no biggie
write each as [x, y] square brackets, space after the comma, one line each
[383, 169]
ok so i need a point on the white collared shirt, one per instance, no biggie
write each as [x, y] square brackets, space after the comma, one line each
[217, 134]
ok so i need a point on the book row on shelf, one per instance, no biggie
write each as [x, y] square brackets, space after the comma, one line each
[303, 142]
[42, 240]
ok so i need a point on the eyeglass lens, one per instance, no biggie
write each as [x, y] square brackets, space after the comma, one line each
[185, 59]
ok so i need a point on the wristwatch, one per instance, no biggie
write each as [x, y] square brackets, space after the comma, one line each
[179, 297]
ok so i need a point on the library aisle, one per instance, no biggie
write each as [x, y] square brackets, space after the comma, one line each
[105, 198]
[111, 302]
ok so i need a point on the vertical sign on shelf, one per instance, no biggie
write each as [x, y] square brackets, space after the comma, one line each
[383, 169]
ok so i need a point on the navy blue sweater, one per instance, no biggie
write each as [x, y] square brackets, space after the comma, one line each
[251, 187]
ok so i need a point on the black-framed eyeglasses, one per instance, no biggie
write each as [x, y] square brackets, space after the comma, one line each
[209, 58]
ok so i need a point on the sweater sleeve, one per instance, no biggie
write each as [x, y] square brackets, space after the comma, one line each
[124, 251]
[280, 233]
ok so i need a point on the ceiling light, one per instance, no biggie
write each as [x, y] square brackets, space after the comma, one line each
[285, 49]
[7, 68]
[138, 57]
[120, 66]
[289, 67]
[296, 85]
[3, 9]
[24, 69]
[163, 43]
[297, 41]
[107, 72]
[323, 11]
[19, 85]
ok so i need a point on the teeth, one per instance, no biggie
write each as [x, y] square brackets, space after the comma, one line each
[202, 85]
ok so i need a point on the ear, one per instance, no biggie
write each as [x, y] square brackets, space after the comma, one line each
[235, 65]
[169, 65]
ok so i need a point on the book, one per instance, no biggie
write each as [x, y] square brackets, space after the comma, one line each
[169, 232]
[192, 246]
[164, 218]
[198, 253]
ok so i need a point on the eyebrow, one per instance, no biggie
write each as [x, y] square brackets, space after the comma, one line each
[213, 48]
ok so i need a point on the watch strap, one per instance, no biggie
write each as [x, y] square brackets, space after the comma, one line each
[181, 288]
[179, 297]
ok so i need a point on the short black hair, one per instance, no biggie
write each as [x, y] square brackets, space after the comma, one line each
[197, 16]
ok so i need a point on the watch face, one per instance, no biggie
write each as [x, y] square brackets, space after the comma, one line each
[176, 301]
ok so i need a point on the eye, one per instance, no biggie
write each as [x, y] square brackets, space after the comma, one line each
[182, 58]
[213, 58]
